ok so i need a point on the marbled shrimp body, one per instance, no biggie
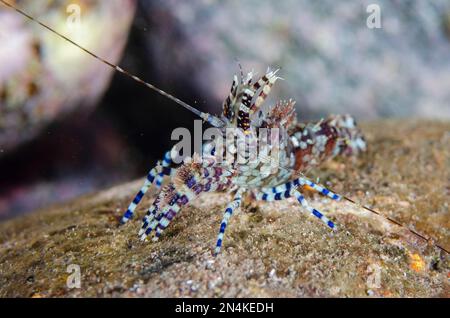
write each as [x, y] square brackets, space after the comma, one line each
[238, 169]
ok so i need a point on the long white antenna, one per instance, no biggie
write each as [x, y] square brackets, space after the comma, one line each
[213, 120]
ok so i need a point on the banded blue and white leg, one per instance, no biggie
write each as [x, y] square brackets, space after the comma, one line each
[302, 182]
[313, 211]
[320, 189]
[157, 173]
[167, 160]
[160, 217]
[228, 212]
[275, 196]
[163, 221]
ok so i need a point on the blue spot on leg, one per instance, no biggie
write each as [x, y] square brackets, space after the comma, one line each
[138, 197]
[317, 213]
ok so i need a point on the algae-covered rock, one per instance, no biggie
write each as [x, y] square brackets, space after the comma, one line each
[270, 249]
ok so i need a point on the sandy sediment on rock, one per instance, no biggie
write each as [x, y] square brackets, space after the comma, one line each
[270, 249]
